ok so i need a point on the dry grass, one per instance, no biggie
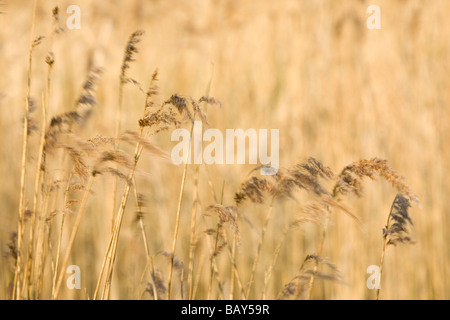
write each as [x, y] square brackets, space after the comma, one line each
[88, 181]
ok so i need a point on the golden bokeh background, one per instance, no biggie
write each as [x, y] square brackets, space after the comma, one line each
[337, 91]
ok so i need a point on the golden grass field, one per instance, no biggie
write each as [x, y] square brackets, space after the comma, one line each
[337, 91]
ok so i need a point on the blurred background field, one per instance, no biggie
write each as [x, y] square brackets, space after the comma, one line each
[337, 91]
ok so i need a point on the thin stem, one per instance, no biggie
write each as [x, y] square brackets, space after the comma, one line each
[177, 223]
[37, 183]
[213, 266]
[258, 253]
[319, 253]
[144, 238]
[39, 238]
[16, 294]
[115, 236]
[194, 216]
[192, 236]
[213, 260]
[73, 234]
[46, 247]
[102, 269]
[181, 282]
[274, 261]
[112, 245]
[116, 134]
[233, 259]
[58, 250]
[201, 263]
[383, 251]
[234, 270]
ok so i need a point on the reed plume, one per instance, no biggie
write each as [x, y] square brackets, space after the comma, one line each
[397, 229]
[303, 176]
[299, 284]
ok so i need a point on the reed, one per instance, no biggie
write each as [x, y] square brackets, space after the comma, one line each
[16, 293]
[397, 229]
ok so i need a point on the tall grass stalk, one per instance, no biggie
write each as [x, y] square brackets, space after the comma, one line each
[177, 219]
[16, 293]
[192, 244]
